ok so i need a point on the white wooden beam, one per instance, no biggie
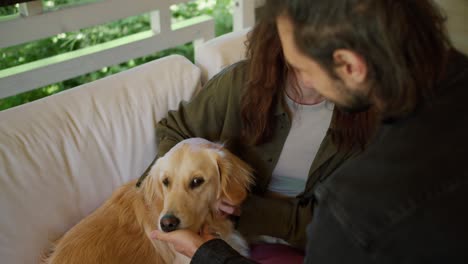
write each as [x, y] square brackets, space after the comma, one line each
[62, 67]
[29, 28]
[175, 2]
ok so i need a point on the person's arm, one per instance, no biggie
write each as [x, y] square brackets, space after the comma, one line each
[217, 251]
[203, 248]
[202, 117]
[328, 242]
[197, 118]
[210, 111]
[205, 115]
[277, 217]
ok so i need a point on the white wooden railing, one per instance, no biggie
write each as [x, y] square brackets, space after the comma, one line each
[35, 23]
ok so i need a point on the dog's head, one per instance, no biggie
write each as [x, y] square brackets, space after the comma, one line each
[191, 178]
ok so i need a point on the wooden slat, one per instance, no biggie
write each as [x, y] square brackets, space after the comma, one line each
[24, 29]
[58, 68]
[175, 2]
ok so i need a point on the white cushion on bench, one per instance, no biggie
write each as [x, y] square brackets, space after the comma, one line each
[218, 53]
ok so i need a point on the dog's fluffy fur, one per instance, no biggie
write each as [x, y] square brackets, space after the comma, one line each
[118, 231]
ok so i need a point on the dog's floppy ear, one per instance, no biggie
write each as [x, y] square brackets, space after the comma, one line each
[236, 176]
[151, 186]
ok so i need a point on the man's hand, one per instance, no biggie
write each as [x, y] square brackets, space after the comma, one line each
[184, 241]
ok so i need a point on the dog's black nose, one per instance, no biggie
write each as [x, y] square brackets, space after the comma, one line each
[169, 223]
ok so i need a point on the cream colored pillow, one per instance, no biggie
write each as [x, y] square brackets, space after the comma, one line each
[216, 54]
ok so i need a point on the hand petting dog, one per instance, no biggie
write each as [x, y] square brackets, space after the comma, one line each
[186, 241]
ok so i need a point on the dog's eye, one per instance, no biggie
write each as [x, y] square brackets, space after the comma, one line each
[166, 182]
[196, 182]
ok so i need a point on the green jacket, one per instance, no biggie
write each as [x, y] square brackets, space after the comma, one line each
[214, 114]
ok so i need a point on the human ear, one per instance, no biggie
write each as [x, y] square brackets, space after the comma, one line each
[351, 67]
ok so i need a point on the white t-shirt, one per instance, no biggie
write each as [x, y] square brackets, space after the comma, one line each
[309, 126]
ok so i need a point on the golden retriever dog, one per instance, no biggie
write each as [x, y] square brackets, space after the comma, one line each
[181, 191]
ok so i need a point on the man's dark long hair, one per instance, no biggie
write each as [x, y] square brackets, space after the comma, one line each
[403, 42]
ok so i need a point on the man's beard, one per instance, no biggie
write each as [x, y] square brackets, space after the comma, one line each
[356, 102]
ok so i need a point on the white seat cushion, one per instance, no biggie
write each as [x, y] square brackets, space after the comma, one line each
[62, 156]
[216, 54]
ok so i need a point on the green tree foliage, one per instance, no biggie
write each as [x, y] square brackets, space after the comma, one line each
[70, 41]
[8, 10]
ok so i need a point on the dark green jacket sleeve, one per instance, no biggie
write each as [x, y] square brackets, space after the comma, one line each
[204, 116]
[216, 251]
[282, 218]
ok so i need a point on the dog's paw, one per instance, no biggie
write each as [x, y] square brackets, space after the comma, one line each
[237, 241]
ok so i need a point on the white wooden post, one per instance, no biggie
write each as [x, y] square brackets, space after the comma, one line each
[244, 14]
[161, 19]
[30, 8]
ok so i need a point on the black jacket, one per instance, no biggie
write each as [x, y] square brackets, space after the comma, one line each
[403, 200]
